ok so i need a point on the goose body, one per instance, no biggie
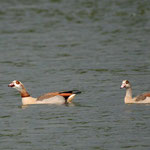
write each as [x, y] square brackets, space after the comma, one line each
[48, 98]
[142, 98]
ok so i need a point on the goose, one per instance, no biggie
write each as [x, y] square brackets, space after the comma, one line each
[48, 98]
[142, 98]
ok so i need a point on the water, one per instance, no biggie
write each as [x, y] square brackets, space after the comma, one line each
[89, 45]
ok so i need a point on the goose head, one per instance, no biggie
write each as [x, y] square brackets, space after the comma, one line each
[125, 84]
[17, 85]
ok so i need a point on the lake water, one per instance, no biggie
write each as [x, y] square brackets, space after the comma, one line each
[89, 45]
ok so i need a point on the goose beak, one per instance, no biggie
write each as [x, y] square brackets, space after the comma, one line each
[11, 85]
[122, 86]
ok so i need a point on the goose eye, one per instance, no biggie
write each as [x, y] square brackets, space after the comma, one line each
[17, 82]
[127, 82]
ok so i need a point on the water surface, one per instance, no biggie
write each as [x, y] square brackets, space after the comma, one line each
[89, 45]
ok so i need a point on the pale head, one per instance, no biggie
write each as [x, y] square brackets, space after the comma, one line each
[17, 85]
[125, 84]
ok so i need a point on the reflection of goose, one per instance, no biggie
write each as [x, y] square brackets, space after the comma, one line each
[48, 98]
[143, 98]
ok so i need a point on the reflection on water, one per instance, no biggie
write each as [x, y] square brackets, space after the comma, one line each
[68, 105]
[89, 45]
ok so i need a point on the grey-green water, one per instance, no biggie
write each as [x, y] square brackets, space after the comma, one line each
[89, 45]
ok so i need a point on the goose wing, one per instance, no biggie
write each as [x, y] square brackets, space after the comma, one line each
[142, 97]
[47, 96]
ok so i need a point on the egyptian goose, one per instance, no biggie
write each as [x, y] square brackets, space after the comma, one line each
[143, 98]
[48, 98]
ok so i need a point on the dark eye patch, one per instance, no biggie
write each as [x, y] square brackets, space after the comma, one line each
[127, 82]
[17, 82]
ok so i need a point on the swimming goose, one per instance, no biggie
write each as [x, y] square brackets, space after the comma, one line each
[48, 98]
[143, 98]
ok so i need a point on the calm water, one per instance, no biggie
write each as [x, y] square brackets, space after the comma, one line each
[89, 45]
